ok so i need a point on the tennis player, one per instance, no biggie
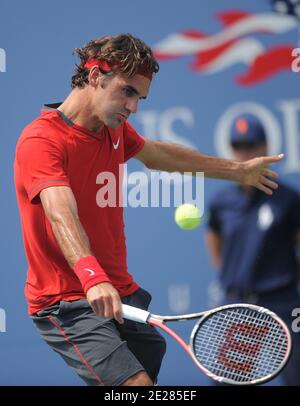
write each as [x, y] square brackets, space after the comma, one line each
[77, 276]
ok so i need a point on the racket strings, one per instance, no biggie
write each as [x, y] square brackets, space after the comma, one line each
[241, 345]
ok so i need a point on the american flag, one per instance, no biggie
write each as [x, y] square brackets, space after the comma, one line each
[236, 43]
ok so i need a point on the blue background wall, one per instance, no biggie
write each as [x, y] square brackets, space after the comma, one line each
[172, 264]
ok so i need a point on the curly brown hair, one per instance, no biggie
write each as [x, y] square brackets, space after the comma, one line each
[129, 53]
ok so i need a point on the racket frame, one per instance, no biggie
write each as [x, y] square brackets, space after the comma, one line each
[262, 310]
[145, 317]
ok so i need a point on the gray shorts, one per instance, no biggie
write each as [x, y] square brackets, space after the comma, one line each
[100, 350]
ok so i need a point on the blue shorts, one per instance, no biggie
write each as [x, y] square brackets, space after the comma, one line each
[100, 350]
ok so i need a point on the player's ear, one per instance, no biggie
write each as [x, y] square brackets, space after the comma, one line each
[95, 76]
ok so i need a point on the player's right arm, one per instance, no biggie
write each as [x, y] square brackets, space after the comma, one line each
[61, 210]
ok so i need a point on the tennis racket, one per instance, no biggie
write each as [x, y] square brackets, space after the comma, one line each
[238, 344]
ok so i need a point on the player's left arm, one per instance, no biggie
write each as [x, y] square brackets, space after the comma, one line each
[176, 158]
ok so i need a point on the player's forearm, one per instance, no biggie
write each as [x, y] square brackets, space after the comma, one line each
[70, 237]
[175, 158]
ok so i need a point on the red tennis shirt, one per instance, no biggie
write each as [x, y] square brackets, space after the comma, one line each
[53, 151]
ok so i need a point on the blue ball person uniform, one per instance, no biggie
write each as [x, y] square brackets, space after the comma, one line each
[258, 235]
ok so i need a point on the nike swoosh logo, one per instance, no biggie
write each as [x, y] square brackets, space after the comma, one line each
[90, 271]
[117, 144]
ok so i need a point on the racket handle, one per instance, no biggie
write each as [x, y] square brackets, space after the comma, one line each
[135, 314]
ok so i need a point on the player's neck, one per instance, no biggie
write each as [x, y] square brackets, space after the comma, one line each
[78, 109]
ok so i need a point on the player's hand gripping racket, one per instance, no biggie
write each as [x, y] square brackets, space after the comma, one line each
[238, 344]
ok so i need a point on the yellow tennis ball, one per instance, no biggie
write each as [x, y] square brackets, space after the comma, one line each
[187, 216]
